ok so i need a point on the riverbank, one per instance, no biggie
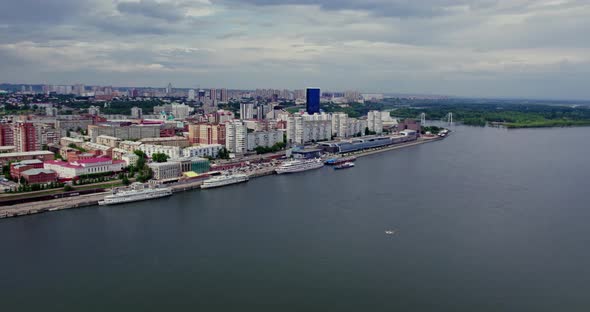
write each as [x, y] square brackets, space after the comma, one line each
[92, 200]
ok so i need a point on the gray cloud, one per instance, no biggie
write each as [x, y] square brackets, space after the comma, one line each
[461, 47]
[153, 9]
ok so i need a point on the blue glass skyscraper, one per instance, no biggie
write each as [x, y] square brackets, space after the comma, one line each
[313, 100]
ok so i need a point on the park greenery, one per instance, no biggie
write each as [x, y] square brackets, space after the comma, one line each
[508, 115]
[272, 149]
[141, 171]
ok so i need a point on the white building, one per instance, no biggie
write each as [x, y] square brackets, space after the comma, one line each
[356, 126]
[375, 121]
[180, 111]
[136, 112]
[264, 138]
[306, 128]
[236, 137]
[77, 168]
[340, 124]
[166, 170]
[150, 149]
[205, 150]
[246, 111]
[191, 95]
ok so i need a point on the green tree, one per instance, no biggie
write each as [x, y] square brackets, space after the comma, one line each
[160, 157]
[68, 188]
[223, 153]
[126, 181]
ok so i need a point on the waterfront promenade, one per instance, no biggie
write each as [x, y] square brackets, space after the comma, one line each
[92, 199]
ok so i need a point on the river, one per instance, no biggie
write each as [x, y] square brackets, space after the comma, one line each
[487, 220]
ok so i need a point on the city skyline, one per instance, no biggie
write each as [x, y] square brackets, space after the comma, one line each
[457, 47]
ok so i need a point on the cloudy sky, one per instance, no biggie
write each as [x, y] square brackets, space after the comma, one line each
[504, 48]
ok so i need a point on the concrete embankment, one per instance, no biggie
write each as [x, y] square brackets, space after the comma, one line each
[92, 199]
[397, 146]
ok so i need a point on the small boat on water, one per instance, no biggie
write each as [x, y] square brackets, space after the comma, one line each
[344, 166]
[339, 161]
[391, 232]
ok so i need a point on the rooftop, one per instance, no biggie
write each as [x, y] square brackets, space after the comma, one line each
[19, 154]
[37, 171]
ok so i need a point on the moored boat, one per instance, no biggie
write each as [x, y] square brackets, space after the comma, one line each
[339, 161]
[137, 192]
[344, 165]
[224, 180]
[299, 166]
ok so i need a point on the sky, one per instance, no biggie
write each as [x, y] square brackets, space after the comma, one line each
[477, 48]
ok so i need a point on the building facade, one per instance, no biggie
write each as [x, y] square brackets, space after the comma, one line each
[236, 137]
[206, 133]
[205, 150]
[313, 101]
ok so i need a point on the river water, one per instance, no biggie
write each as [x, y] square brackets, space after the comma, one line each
[487, 220]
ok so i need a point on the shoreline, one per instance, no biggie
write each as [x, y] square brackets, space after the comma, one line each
[33, 208]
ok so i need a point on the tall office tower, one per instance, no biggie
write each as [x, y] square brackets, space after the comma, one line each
[191, 95]
[246, 111]
[169, 89]
[235, 136]
[224, 95]
[136, 112]
[313, 100]
[213, 94]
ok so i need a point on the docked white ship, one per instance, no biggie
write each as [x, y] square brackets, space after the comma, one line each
[299, 165]
[224, 180]
[137, 192]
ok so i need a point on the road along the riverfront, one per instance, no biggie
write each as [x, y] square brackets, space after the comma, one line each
[93, 199]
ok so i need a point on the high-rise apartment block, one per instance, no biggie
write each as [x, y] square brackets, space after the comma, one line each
[206, 133]
[236, 137]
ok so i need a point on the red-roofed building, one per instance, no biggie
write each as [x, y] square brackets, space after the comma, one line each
[16, 169]
[39, 176]
[70, 170]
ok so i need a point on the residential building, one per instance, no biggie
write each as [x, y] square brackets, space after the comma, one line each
[307, 128]
[224, 96]
[236, 137]
[204, 150]
[171, 151]
[375, 121]
[340, 124]
[204, 133]
[167, 141]
[125, 132]
[25, 136]
[263, 138]
[129, 146]
[246, 111]
[108, 140]
[6, 134]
